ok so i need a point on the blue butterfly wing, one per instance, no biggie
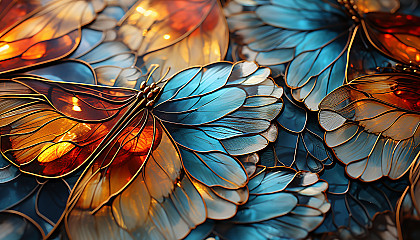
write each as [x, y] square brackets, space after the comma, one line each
[300, 141]
[355, 205]
[34, 205]
[312, 36]
[219, 111]
[283, 204]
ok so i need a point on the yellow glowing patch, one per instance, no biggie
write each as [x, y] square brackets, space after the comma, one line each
[166, 36]
[55, 151]
[76, 106]
[77, 109]
[140, 10]
[4, 47]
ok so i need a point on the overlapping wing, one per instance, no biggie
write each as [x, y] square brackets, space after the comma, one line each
[373, 125]
[359, 210]
[50, 129]
[300, 143]
[135, 188]
[312, 35]
[219, 111]
[42, 31]
[283, 204]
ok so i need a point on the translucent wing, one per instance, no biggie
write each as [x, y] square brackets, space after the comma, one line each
[395, 35]
[50, 129]
[219, 111]
[372, 125]
[176, 34]
[283, 204]
[114, 63]
[311, 36]
[15, 225]
[135, 188]
[365, 6]
[48, 31]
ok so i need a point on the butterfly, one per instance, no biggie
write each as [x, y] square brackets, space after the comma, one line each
[167, 145]
[312, 38]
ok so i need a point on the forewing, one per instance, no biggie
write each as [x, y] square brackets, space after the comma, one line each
[47, 31]
[136, 187]
[50, 129]
[395, 35]
[217, 111]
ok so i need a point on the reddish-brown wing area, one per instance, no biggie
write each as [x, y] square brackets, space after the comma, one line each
[50, 129]
[41, 34]
[135, 187]
[400, 90]
[15, 10]
[396, 35]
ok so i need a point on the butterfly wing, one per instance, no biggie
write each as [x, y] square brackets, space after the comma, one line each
[136, 187]
[395, 35]
[312, 35]
[47, 31]
[176, 34]
[283, 203]
[372, 125]
[219, 111]
[300, 141]
[50, 129]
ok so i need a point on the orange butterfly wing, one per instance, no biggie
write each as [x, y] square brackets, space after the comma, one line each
[395, 35]
[135, 187]
[42, 33]
[50, 129]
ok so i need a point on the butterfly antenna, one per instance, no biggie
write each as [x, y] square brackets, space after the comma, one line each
[152, 70]
[163, 77]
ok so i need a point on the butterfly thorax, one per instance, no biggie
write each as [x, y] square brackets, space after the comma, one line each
[351, 9]
[148, 94]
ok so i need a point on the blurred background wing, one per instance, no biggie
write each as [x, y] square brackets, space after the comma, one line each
[407, 213]
[35, 32]
[175, 34]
